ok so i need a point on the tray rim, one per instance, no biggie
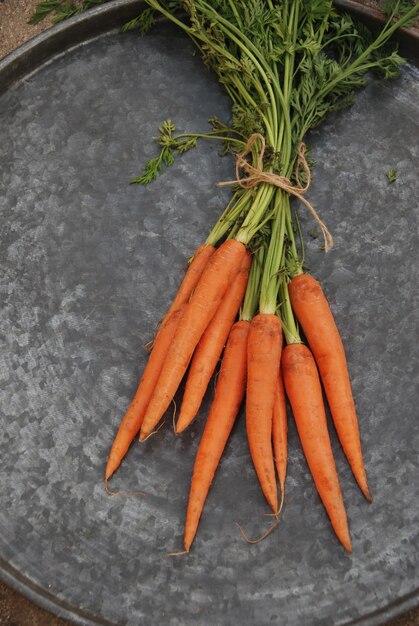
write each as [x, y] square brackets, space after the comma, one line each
[85, 26]
[26, 60]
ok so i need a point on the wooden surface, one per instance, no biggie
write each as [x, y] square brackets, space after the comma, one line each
[15, 610]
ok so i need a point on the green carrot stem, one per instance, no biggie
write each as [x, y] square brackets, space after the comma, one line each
[289, 325]
[238, 204]
[251, 223]
[270, 277]
[251, 298]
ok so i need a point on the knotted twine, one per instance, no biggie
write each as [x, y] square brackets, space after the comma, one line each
[256, 175]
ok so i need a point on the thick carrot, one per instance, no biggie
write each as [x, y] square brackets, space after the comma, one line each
[263, 358]
[314, 314]
[133, 418]
[279, 434]
[194, 272]
[217, 276]
[210, 347]
[304, 392]
[229, 392]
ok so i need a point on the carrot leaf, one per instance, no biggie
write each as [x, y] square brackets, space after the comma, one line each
[391, 175]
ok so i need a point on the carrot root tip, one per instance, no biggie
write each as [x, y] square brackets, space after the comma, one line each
[182, 552]
[174, 416]
[178, 430]
[265, 534]
[281, 504]
[121, 493]
[142, 439]
[367, 494]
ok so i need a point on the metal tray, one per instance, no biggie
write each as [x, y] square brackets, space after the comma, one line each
[88, 265]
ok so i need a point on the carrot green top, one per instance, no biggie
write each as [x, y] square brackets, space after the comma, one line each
[285, 66]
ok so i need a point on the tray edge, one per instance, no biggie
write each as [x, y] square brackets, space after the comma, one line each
[64, 36]
[28, 58]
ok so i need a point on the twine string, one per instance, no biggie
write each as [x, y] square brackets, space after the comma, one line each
[254, 175]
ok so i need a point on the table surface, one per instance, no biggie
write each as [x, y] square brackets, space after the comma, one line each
[15, 609]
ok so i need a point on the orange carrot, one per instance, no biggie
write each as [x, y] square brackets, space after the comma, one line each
[304, 392]
[210, 346]
[279, 434]
[263, 357]
[314, 314]
[194, 272]
[229, 392]
[217, 276]
[133, 418]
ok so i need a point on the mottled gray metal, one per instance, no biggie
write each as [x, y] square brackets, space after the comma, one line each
[89, 264]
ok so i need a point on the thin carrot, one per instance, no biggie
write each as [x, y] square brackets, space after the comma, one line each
[194, 272]
[263, 358]
[314, 314]
[304, 392]
[229, 392]
[210, 347]
[132, 420]
[217, 276]
[279, 435]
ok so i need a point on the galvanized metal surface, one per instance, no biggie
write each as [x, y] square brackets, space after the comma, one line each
[88, 264]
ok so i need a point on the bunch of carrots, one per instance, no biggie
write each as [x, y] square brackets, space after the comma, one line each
[246, 294]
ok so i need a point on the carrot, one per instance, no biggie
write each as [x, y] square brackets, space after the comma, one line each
[279, 435]
[194, 272]
[210, 346]
[314, 314]
[132, 420]
[217, 276]
[304, 392]
[229, 392]
[263, 357]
